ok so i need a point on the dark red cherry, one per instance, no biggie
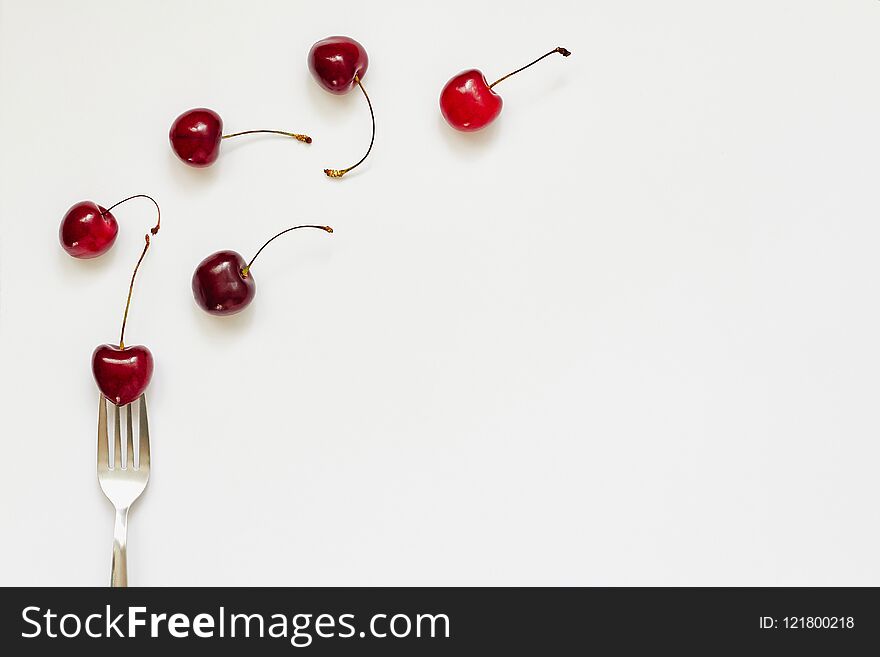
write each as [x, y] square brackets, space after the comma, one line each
[195, 136]
[338, 64]
[87, 230]
[122, 375]
[336, 61]
[219, 285]
[223, 283]
[468, 101]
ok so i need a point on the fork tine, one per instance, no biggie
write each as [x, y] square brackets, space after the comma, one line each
[117, 439]
[103, 445]
[143, 436]
[129, 439]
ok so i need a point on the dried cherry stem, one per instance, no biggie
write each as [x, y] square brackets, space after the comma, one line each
[246, 270]
[338, 173]
[154, 229]
[303, 138]
[131, 289]
[562, 51]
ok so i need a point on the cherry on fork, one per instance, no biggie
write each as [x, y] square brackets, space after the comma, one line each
[88, 230]
[339, 63]
[196, 134]
[468, 101]
[123, 373]
[223, 283]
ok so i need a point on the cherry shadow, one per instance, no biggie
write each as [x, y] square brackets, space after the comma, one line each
[231, 327]
[333, 105]
[186, 175]
[467, 144]
[75, 269]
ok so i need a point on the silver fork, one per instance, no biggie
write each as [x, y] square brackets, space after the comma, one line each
[122, 473]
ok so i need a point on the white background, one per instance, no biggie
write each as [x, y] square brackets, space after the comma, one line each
[626, 335]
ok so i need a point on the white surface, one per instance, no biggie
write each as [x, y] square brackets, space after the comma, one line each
[627, 335]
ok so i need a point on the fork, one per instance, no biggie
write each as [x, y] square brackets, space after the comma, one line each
[122, 473]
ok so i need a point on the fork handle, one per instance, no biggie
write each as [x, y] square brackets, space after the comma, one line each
[119, 572]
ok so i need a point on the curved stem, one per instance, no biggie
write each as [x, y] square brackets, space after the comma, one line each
[130, 290]
[154, 229]
[338, 173]
[246, 270]
[303, 138]
[562, 51]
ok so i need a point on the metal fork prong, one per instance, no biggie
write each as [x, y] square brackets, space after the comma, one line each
[103, 443]
[117, 439]
[143, 435]
[129, 439]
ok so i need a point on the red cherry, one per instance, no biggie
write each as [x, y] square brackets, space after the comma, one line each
[223, 283]
[87, 230]
[338, 64]
[219, 285]
[195, 136]
[122, 375]
[468, 102]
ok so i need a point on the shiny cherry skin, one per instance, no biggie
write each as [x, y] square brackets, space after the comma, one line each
[335, 61]
[220, 287]
[467, 102]
[195, 137]
[87, 230]
[122, 375]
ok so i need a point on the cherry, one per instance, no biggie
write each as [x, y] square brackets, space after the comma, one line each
[88, 230]
[223, 283]
[196, 134]
[219, 286]
[123, 373]
[338, 64]
[468, 102]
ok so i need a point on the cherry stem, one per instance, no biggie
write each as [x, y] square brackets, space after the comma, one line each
[562, 51]
[303, 138]
[246, 270]
[131, 289]
[338, 173]
[154, 229]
